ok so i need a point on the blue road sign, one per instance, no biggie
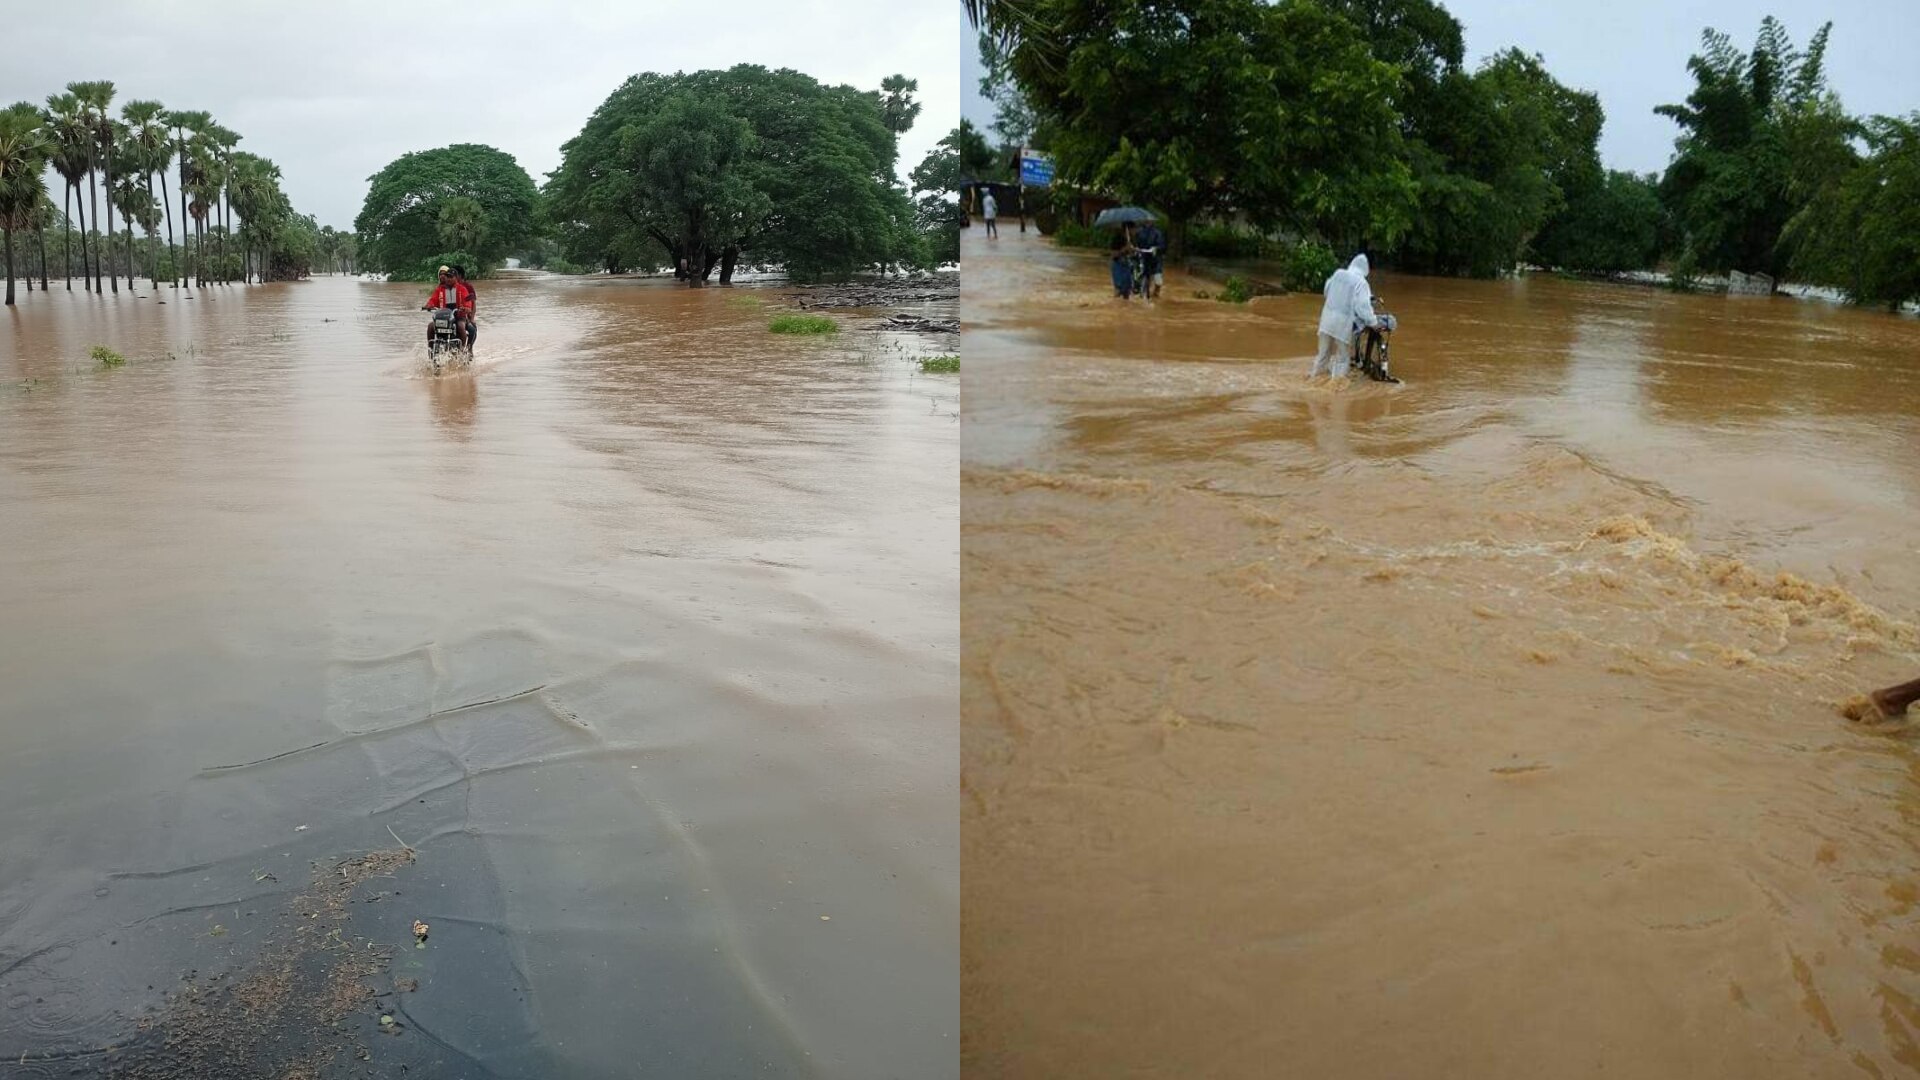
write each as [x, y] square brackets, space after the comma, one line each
[1036, 170]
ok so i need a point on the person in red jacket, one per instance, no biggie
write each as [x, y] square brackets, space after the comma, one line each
[455, 294]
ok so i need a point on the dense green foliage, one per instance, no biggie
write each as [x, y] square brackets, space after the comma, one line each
[937, 212]
[1355, 122]
[1196, 107]
[1610, 224]
[1759, 134]
[1862, 232]
[468, 196]
[706, 169]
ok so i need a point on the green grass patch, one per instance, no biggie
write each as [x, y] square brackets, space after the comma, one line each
[940, 365]
[1236, 291]
[107, 357]
[803, 324]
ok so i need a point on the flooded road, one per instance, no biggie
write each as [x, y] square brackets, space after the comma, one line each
[1479, 727]
[639, 637]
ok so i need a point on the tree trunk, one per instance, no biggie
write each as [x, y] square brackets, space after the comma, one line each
[128, 228]
[42, 234]
[166, 207]
[113, 276]
[180, 144]
[93, 197]
[728, 257]
[66, 244]
[9, 235]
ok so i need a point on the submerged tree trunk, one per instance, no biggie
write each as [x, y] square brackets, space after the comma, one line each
[42, 234]
[93, 197]
[166, 207]
[181, 144]
[8, 233]
[66, 245]
[113, 276]
[728, 257]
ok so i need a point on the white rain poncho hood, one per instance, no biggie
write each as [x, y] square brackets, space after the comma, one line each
[1349, 300]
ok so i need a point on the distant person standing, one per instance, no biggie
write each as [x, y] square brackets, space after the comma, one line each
[990, 210]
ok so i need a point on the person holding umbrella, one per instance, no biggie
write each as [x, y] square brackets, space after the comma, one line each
[1122, 249]
[1121, 252]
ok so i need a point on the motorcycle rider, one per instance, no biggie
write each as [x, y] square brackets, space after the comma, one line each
[473, 305]
[455, 294]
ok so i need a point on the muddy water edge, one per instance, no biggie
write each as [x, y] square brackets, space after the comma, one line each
[625, 661]
[1480, 727]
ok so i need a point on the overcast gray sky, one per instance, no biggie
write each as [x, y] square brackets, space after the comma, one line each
[332, 92]
[1633, 53]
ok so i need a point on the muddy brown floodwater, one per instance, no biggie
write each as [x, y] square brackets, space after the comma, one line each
[1480, 727]
[640, 634]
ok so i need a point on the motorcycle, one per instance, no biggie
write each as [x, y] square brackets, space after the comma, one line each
[446, 344]
[1371, 348]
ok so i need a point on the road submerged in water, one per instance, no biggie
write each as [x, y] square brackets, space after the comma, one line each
[1483, 726]
[625, 661]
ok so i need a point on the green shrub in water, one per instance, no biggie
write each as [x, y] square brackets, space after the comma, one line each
[107, 357]
[944, 365]
[1306, 265]
[1070, 234]
[803, 324]
[1236, 291]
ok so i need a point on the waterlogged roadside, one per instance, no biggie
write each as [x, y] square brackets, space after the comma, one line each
[1483, 726]
[635, 642]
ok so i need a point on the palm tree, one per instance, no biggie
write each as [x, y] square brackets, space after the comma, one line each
[43, 219]
[462, 223]
[135, 204]
[72, 157]
[203, 188]
[149, 133]
[23, 182]
[183, 122]
[223, 140]
[97, 96]
[255, 193]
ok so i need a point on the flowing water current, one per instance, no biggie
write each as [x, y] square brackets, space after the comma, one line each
[624, 660]
[1484, 726]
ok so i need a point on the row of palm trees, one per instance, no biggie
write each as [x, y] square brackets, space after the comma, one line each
[78, 137]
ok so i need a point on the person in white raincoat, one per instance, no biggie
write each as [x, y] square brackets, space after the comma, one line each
[1349, 306]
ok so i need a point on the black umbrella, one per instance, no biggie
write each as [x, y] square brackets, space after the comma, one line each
[1122, 215]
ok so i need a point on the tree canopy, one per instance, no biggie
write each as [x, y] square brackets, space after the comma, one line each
[748, 163]
[1759, 134]
[401, 227]
[1278, 111]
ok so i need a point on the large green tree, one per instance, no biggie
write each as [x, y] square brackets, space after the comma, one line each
[399, 224]
[1862, 233]
[819, 161]
[936, 180]
[1274, 110]
[1496, 155]
[1610, 223]
[1760, 133]
[24, 149]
